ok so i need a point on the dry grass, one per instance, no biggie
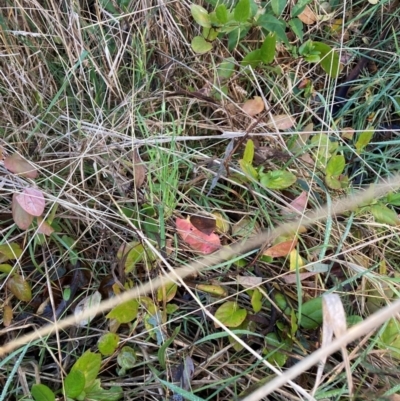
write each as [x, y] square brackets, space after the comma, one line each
[82, 91]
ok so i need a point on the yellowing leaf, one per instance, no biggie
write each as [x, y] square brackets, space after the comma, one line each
[167, 293]
[215, 290]
[307, 16]
[20, 288]
[281, 122]
[125, 312]
[10, 251]
[254, 106]
[7, 315]
[296, 261]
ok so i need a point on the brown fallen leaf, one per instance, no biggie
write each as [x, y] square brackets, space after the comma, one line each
[254, 106]
[307, 16]
[281, 122]
[139, 169]
[292, 278]
[205, 224]
[44, 227]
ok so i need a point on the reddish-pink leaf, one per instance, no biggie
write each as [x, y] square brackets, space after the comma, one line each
[300, 203]
[196, 239]
[292, 278]
[44, 227]
[282, 249]
[21, 218]
[16, 164]
[32, 201]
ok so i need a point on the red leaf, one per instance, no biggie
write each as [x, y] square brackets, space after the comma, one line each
[21, 218]
[44, 227]
[196, 239]
[32, 201]
[281, 249]
[16, 164]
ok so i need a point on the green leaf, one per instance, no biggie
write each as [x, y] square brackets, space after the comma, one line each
[74, 383]
[20, 288]
[88, 364]
[126, 359]
[125, 312]
[297, 27]
[337, 181]
[41, 392]
[230, 314]
[278, 6]
[210, 34]
[267, 49]
[299, 7]
[248, 169]
[97, 393]
[335, 166]
[278, 179]
[161, 352]
[393, 199]
[364, 138]
[384, 215]
[200, 15]
[6, 268]
[330, 61]
[222, 13]
[200, 45]
[311, 314]
[248, 154]
[256, 300]
[135, 255]
[226, 68]
[169, 290]
[390, 338]
[108, 343]
[276, 344]
[273, 24]
[10, 251]
[252, 59]
[241, 12]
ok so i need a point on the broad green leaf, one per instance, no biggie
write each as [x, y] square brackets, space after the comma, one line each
[230, 314]
[278, 179]
[108, 343]
[74, 383]
[125, 312]
[256, 300]
[126, 359]
[267, 49]
[335, 166]
[241, 12]
[393, 199]
[226, 68]
[248, 154]
[299, 7]
[20, 288]
[210, 34]
[384, 215]
[364, 138]
[311, 314]
[390, 338]
[97, 393]
[201, 15]
[330, 61]
[253, 59]
[297, 28]
[337, 181]
[10, 251]
[135, 255]
[275, 344]
[273, 24]
[41, 392]
[222, 13]
[278, 6]
[88, 364]
[167, 293]
[200, 45]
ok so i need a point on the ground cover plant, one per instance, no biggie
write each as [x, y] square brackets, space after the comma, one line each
[140, 138]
